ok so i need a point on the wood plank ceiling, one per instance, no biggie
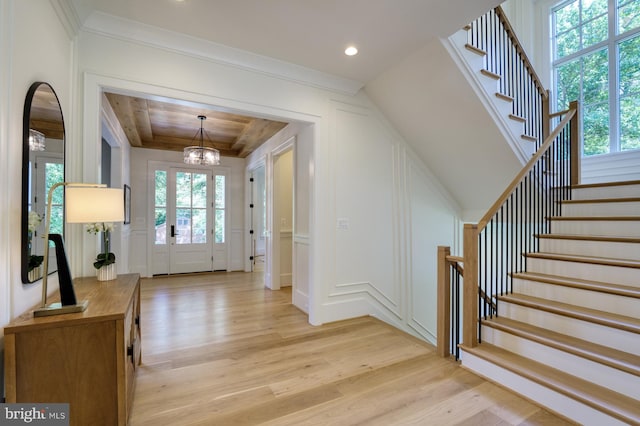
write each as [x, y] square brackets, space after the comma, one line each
[45, 115]
[172, 126]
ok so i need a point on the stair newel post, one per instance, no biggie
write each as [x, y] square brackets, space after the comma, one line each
[470, 291]
[575, 143]
[444, 302]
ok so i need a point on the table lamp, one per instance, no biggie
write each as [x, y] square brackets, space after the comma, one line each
[84, 203]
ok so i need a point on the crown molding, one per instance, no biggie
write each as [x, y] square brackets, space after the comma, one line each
[67, 16]
[133, 31]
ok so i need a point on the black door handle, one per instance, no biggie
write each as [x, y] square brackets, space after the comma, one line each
[173, 231]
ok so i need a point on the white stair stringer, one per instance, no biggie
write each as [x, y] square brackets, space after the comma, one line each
[554, 400]
[622, 340]
[595, 372]
[592, 299]
[471, 65]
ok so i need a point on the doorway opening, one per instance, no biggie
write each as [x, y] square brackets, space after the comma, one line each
[258, 218]
[270, 218]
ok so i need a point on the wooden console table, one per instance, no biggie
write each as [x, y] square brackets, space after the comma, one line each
[86, 359]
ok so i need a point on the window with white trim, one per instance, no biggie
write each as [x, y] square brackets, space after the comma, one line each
[596, 60]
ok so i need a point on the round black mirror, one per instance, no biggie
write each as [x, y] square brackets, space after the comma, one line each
[42, 167]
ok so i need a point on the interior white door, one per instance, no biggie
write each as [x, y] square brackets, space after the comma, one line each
[220, 228]
[189, 220]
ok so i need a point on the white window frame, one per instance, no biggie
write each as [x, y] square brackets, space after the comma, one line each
[611, 43]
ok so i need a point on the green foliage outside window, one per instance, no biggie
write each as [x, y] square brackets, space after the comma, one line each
[54, 173]
[600, 67]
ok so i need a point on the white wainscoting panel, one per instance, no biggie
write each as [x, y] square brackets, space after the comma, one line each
[138, 253]
[301, 272]
[616, 167]
[236, 255]
[366, 222]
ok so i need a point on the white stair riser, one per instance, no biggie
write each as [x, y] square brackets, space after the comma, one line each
[600, 374]
[615, 338]
[612, 303]
[486, 89]
[549, 398]
[585, 271]
[627, 208]
[603, 228]
[620, 191]
[608, 249]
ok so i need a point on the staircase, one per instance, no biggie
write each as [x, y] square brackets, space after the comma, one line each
[568, 336]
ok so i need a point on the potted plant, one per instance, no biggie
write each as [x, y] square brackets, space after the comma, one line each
[105, 263]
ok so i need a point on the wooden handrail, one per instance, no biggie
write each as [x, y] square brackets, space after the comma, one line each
[482, 223]
[559, 113]
[527, 63]
[488, 300]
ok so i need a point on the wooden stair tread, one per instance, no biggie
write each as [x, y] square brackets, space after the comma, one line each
[529, 138]
[517, 118]
[608, 319]
[633, 240]
[620, 360]
[614, 404]
[504, 97]
[602, 200]
[475, 50]
[609, 288]
[490, 74]
[625, 263]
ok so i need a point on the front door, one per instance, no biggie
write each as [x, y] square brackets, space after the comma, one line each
[182, 233]
[188, 218]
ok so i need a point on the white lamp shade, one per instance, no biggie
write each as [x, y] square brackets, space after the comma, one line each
[89, 205]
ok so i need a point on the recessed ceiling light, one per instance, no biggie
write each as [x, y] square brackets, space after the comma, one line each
[350, 51]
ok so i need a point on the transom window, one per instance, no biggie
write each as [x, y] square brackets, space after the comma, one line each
[596, 60]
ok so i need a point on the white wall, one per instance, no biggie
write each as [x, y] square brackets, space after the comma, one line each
[26, 56]
[390, 216]
[352, 160]
[437, 111]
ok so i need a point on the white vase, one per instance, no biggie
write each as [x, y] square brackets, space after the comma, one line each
[107, 273]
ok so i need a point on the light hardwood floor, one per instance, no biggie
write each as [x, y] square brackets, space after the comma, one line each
[220, 349]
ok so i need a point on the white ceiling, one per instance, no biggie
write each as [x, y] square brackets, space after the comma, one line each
[309, 33]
